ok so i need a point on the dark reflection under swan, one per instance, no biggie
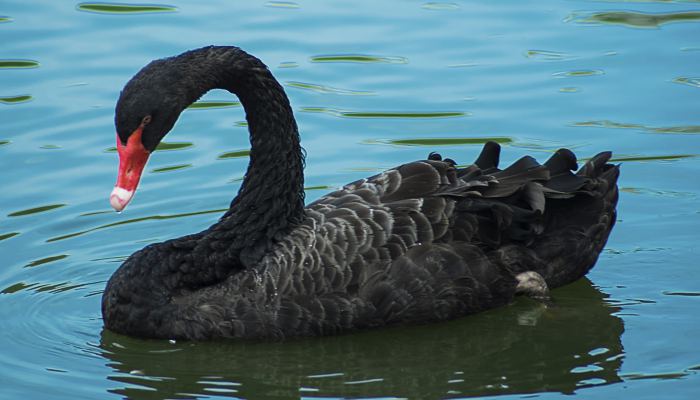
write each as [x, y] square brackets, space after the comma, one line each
[523, 348]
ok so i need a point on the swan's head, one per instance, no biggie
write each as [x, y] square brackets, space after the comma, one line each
[146, 111]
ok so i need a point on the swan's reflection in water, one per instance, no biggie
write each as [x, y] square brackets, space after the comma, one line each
[522, 348]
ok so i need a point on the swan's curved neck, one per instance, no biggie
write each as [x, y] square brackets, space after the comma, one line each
[269, 203]
[271, 198]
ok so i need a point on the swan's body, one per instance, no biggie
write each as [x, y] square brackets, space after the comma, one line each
[422, 242]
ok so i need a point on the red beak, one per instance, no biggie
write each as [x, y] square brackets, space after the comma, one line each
[132, 159]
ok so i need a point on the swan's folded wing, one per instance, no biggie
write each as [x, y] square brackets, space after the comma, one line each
[432, 201]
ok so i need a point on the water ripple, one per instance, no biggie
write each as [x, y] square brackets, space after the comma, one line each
[15, 99]
[445, 141]
[688, 129]
[134, 220]
[569, 89]
[54, 287]
[319, 187]
[695, 82]
[633, 19]
[664, 157]
[580, 72]
[4, 236]
[46, 260]
[438, 6]
[171, 168]
[685, 294]
[200, 105]
[233, 154]
[282, 4]
[388, 114]
[35, 210]
[122, 8]
[288, 64]
[656, 192]
[546, 55]
[357, 58]
[162, 146]
[18, 64]
[326, 89]
[170, 146]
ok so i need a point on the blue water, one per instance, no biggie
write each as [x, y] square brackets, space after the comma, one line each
[588, 75]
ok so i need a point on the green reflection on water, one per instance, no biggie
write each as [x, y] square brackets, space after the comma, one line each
[43, 287]
[46, 260]
[35, 210]
[367, 114]
[569, 89]
[657, 192]
[162, 146]
[440, 6]
[11, 64]
[688, 81]
[171, 168]
[288, 64]
[463, 65]
[4, 236]
[546, 55]
[89, 213]
[521, 348]
[281, 4]
[441, 141]
[170, 146]
[5, 19]
[692, 129]
[326, 89]
[689, 129]
[15, 99]
[234, 154]
[4, 142]
[319, 187]
[199, 105]
[358, 58]
[577, 73]
[668, 157]
[635, 19]
[121, 8]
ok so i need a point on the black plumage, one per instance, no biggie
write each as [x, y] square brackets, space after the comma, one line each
[422, 242]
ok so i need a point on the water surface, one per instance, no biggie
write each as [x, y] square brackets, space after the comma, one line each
[373, 85]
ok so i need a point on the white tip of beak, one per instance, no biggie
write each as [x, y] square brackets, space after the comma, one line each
[120, 198]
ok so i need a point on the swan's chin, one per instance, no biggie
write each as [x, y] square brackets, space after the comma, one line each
[120, 197]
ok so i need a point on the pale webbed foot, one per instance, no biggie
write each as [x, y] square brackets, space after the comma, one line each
[533, 285]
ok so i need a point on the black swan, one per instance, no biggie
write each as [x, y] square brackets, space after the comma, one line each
[426, 241]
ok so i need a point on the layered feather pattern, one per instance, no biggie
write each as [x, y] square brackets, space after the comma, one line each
[422, 242]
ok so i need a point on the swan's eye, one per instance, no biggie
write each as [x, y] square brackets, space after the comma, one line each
[146, 120]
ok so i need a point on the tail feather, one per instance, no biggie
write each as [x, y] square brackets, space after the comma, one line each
[562, 182]
[581, 224]
[489, 157]
[596, 165]
[563, 160]
[570, 213]
[517, 176]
